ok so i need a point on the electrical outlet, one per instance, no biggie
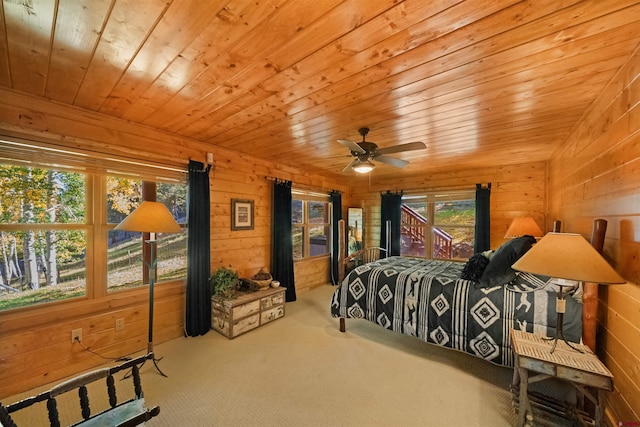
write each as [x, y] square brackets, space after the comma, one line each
[76, 335]
[119, 324]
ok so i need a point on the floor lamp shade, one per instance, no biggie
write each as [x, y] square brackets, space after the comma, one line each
[150, 217]
[567, 256]
[523, 226]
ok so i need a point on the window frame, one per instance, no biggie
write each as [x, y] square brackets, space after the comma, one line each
[431, 199]
[305, 197]
[19, 152]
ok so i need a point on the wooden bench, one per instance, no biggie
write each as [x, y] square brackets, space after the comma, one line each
[129, 413]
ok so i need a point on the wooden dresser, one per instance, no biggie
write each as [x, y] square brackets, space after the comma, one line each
[247, 311]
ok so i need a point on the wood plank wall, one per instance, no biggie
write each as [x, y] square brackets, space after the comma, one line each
[248, 251]
[516, 190]
[35, 346]
[597, 175]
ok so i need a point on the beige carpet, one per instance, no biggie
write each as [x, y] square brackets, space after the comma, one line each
[301, 371]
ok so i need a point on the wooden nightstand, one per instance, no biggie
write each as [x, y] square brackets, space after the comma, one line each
[582, 370]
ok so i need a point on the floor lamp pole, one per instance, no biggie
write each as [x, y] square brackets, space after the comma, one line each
[152, 274]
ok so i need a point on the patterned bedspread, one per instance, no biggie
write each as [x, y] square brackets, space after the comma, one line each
[428, 300]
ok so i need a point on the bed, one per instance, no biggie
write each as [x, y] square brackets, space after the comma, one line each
[429, 300]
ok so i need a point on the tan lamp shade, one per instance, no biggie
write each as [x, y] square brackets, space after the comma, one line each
[567, 256]
[150, 217]
[523, 226]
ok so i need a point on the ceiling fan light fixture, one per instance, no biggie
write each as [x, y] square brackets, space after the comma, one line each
[363, 167]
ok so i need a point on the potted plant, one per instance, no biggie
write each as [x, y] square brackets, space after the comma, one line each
[224, 283]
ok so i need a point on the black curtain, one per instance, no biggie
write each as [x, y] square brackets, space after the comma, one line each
[483, 219]
[336, 215]
[198, 309]
[391, 210]
[281, 245]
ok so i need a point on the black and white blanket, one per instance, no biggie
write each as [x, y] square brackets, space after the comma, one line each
[428, 300]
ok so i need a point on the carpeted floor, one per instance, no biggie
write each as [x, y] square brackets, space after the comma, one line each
[301, 371]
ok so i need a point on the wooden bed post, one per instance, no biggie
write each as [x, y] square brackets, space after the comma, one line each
[341, 260]
[341, 250]
[590, 291]
[388, 235]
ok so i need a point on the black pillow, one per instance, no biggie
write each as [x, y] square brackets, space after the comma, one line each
[474, 268]
[499, 271]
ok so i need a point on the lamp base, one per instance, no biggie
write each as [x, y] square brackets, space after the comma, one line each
[560, 308]
[155, 362]
[560, 336]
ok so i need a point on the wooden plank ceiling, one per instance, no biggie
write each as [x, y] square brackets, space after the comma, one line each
[480, 82]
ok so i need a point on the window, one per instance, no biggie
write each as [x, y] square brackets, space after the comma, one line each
[438, 225]
[125, 264]
[57, 218]
[311, 226]
[43, 236]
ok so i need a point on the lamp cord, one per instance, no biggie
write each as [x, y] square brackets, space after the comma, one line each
[117, 359]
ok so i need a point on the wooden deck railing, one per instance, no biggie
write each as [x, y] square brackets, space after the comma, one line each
[442, 244]
[413, 226]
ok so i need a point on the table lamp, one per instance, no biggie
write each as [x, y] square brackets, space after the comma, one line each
[152, 218]
[571, 257]
[523, 226]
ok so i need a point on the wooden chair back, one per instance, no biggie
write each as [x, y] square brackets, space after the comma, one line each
[124, 414]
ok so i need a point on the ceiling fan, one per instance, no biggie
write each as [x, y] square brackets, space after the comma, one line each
[364, 152]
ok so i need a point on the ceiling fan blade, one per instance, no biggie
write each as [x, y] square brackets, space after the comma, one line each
[352, 146]
[410, 146]
[348, 167]
[399, 163]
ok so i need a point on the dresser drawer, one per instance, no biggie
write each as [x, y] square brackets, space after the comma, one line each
[272, 314]
[246, 309]
[245, 324]
[272, 300]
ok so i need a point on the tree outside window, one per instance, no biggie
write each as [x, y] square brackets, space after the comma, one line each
[43, 236]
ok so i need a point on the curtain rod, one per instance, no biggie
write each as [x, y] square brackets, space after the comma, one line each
[300, 186]
[441, 189]
[396, 192]
[277, 180]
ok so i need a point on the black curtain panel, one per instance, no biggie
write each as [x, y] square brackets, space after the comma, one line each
[483, 219]
[281, 245]
[198, 307]
[391, 210]
[336, 215]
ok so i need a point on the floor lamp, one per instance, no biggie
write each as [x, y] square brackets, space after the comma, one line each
[570, 257]
[152, 218]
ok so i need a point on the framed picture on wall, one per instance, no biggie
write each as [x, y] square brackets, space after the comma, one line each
[241, 214]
